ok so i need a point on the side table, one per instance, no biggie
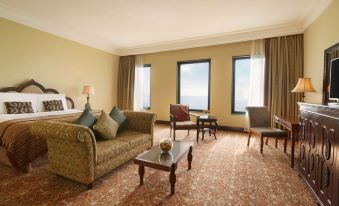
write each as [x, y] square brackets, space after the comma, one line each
[207, 123]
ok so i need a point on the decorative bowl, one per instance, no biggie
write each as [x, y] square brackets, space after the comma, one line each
[165, 145]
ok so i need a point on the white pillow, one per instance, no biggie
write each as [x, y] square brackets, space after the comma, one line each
[48, 97]
[17, 97]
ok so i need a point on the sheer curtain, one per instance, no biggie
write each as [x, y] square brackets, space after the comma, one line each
[257, 74]
[139, 84]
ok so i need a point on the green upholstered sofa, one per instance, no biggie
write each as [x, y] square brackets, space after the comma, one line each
[74, 152]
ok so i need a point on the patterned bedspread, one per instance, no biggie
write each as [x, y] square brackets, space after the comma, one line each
[21, 146]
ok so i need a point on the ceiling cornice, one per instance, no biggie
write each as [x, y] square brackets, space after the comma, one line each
[210, 40]
[43, 25]
[311, 13]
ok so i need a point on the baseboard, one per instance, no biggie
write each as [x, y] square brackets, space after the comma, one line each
[162, 122]
[226, 128]
[229, 128]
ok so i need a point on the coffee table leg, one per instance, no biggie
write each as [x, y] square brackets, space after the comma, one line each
[189, 158]
[173, 178]
[141, 174]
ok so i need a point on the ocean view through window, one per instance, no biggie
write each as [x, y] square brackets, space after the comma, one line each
[241, 84]
[147, 86]
[193, 84]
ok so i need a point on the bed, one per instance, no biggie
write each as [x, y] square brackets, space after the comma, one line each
[18, 148]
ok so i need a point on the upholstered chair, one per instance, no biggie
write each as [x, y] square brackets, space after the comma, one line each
[260, 125]
[180, 119]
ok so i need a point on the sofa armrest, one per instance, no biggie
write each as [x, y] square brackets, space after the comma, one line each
[140, 121]
[71, 149]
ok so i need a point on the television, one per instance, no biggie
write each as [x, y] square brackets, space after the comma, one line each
[334, 80]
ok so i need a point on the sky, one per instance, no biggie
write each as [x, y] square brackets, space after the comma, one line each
[194, 79]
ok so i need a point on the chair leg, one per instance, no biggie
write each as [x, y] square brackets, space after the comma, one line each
[188, 132]
[261, 144]
[249, 137]
[174, 134]
[90, 186]
[171, 131]
[276, 142]
[285, 144]
[266, 143]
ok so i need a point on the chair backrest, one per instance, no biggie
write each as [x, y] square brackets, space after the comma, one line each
[175, 107]
[259, 116]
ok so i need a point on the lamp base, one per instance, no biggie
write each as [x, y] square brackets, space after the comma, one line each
[88, 106]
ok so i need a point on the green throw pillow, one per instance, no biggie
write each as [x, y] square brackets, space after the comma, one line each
[118, 116]
[86, 119]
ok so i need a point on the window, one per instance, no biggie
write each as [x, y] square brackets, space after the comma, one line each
[194, 84]
[241, 84]
[147, 86]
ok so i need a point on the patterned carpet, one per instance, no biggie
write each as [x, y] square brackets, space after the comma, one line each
[224, 172]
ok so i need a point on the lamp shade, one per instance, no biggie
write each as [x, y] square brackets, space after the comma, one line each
[88, 90]
[304, 85]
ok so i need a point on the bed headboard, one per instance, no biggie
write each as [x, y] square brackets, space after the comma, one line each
[32, 86]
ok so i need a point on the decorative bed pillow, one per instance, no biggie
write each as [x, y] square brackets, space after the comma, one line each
[41, 98]
[17, 97]
[86, 119]
[53, 105]
[106, 126]
[19, 107]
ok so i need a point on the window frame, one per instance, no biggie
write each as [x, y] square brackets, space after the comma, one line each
[150, 83]
[179, 63]
[234, 58]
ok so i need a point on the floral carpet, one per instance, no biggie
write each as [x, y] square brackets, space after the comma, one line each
[224, 172]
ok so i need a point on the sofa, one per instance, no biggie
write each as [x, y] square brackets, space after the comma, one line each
[75, 153]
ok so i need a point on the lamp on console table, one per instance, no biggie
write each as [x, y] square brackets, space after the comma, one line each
[88, 90]
[304, 85]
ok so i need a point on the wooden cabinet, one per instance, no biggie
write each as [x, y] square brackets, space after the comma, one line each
[318, 151]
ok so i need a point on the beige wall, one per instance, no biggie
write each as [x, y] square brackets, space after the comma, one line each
[321, 34]
[164, 78]
[27, 53]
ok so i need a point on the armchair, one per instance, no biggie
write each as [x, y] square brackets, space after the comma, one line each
[260, 124]
[180, 119]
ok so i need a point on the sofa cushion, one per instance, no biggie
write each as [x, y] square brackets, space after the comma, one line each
[133, 138]
[109, 149]
[106, 126]
[86, 119]
[118, 116]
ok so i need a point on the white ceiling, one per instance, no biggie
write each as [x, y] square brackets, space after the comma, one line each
[141, 26]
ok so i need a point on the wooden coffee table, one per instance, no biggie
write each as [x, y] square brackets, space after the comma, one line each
[153, 158]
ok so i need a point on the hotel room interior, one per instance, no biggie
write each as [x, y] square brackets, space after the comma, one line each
[150, 102]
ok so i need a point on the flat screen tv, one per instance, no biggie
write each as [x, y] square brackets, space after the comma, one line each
[334, 79]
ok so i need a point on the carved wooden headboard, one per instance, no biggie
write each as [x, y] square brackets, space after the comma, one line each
[32, 86]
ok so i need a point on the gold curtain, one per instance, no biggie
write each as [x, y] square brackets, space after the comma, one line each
[126, 75]
[284, 62]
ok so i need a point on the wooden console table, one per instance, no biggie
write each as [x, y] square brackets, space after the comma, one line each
[291, 124]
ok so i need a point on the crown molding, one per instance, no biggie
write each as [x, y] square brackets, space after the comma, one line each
[64, 32]
[210, 40]
[313, 12]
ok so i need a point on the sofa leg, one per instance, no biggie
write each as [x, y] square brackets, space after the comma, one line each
[90, 186]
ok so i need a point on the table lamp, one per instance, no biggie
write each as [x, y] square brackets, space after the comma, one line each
[304, 85]
[88, 90]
